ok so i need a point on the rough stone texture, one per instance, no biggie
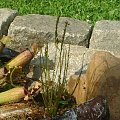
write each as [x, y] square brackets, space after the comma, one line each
[102, 78]
[106, 36]
[6, 17]
[30, 28]
[19, 111]
[80, 91]
[75, 62]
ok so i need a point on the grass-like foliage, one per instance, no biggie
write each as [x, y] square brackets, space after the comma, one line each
[92, 10]
[54, 84]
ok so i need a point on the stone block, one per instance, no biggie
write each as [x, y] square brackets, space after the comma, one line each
[106, 36]
[79, 56]
[6, 17]
[34, 27]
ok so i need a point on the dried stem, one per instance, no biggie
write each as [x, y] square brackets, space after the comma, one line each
[54, 86]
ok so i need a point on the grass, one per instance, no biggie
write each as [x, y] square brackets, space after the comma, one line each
[54, 86]
[87, 10]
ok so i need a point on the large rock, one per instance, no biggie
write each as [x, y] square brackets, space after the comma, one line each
[102, 78]
[106, 36]
[6, 17]
[34, 27]
[79, 56]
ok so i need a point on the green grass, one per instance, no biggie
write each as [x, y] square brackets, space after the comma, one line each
[92, 10]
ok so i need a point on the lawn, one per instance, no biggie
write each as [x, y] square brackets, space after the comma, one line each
[90, 10]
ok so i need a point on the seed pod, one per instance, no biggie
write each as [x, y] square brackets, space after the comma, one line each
[20, 60]
[12, 95]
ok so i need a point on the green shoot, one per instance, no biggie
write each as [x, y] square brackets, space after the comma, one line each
[54, 86]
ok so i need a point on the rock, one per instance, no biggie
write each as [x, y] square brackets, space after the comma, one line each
[6, 17]
[106, 36]
[94, 109]
[77, 86]
[34, 27]
[78, 55]
[103, 78]
[15, 111]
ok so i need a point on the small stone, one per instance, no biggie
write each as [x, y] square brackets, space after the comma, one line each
[6, 17]
[94, 109]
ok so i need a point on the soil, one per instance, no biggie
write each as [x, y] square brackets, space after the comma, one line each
[27, 110]
[22, 111]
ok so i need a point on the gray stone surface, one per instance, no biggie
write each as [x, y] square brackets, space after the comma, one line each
[78, 55]
[6, 17]
[34, 27]
[106, 36]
